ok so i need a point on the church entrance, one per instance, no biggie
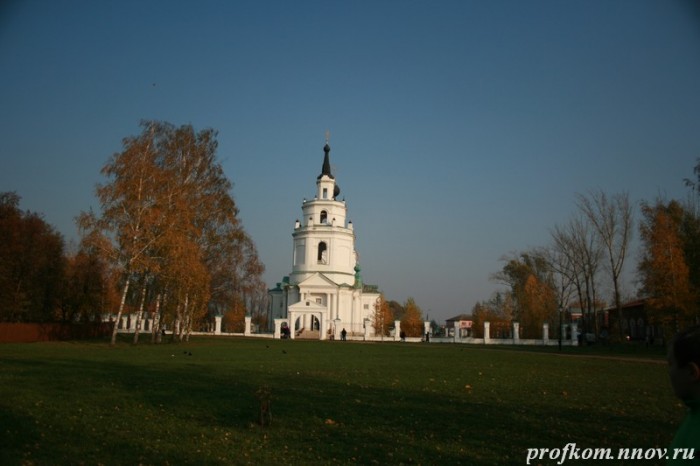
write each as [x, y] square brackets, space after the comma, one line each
[308, 326]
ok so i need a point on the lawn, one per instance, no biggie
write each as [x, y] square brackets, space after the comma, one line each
[332, 402]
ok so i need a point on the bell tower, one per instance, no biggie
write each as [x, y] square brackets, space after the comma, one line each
[324, 294]
[324, 241]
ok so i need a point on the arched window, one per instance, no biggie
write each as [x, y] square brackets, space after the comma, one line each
[322, 253]
[324, 216]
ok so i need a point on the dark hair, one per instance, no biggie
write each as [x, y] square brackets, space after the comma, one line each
[686, 346]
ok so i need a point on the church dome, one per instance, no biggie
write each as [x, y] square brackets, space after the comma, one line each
[326, 169]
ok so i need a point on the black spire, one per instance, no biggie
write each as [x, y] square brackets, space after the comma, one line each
[326, 170]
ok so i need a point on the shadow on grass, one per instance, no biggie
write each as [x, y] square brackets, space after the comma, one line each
[164, 406]
[18, 436]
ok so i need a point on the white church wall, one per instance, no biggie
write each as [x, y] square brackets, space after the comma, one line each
[344, 256]
[299, 253]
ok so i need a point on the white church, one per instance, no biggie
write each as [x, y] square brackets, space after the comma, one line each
[324, 293]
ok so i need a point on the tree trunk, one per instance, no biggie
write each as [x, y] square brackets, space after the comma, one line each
[140, 312]
[155, 330]
[178, 322]
[121, 309]
[185, 318]
[618, 307]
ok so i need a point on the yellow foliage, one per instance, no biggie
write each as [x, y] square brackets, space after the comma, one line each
[382, 318]
[412, 322]
[666, 275]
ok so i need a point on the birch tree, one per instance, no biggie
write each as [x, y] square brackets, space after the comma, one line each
[168, 211]
[129, 204]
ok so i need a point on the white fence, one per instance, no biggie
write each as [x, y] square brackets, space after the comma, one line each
[125, 327]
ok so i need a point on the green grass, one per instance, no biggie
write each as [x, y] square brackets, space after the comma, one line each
[332, 402]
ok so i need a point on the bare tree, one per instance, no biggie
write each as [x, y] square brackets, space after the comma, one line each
[612, 220]
[581, 254]
[563, 276]
[694, 185]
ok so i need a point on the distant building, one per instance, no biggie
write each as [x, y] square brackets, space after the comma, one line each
[636, 324]
[462, 324]
[324, 293]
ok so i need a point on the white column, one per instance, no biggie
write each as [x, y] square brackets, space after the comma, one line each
[574, 331]
[292, 324]
[487, 332]
[217, 325]
[337, 309]
[353, 314]
[426, 328]
[563, 332]
[246, 332]
[124, 321]
[329, 305]
[397, 330]
[545, 333]
[516, 332]
[366, 325]
[278, 329]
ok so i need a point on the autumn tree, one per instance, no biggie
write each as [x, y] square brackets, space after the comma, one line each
[690, 235]
[611, 217]
[89, 290]
[234, 319]
[529, 278]
[130, 209]
[174, 229]
[498, 311]
[32, 264]
[663, 269]
[412, 320]
[382, 317]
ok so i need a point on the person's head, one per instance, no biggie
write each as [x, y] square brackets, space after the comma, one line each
[684, 364]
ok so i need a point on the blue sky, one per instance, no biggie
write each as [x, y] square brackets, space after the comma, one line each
[460, 130]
